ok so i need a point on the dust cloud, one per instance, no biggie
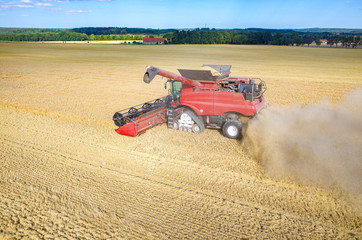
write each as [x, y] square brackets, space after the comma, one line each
[319, 143]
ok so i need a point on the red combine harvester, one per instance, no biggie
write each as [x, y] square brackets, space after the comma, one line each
[197, 99]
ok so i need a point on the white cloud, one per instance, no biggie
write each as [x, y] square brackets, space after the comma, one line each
[22, 6]
[78, 11]
[7, 5]
[16, 4]
[3, 6]
[58, 1]
[39, 4]
[24, 15]
[77, 0]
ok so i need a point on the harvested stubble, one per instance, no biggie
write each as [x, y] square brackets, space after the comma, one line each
[65, 173]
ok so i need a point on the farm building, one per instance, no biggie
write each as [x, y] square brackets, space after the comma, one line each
[154, 40]
[324, 41]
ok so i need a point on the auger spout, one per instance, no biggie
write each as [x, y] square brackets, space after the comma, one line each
[151, 72]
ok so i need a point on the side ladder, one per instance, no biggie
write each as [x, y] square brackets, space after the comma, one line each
[170, 116]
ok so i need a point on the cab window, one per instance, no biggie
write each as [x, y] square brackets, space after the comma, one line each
[176, 88]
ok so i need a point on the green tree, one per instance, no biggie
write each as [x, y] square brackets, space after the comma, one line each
[295, 39]
[276, 39]
[227, 37]
[195, 37]
[331, 40]
[357, 41]
[176, 37]
[350, 40]
[168, 36]
[239, 38]
[308, 39]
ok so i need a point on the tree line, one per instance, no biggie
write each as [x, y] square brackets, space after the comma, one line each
[200, 36]
[345, 40]
[64, 36]
[197, 36]
[44, 36]
[121, 30]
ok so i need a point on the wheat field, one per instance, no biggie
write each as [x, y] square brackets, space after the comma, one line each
[65, 173]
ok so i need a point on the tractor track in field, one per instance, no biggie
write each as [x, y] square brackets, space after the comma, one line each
[34, 180]
[39, 161]
[251, 186]
[151, 213]
[156, 182]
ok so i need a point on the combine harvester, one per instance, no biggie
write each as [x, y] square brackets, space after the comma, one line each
[197, 99]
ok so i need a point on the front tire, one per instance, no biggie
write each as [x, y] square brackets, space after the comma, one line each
[196, 128]
[232, 129]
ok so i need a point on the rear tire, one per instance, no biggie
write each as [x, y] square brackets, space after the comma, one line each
[232, 129]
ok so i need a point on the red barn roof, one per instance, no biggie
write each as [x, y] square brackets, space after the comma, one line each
[154, 39]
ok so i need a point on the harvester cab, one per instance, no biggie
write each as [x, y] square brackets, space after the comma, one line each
[175, 90]
[197, 99]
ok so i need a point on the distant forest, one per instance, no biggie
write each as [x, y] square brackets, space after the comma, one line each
[344, 37]
[267, 37]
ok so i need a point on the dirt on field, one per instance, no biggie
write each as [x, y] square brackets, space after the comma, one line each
[65, 173]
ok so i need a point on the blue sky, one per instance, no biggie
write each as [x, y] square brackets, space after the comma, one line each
[181, 14]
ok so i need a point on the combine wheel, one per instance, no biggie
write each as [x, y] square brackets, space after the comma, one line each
[118, 119]
[196, 128]
[132, 110]
[232, 129]
[146, 106]
[158, 101]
